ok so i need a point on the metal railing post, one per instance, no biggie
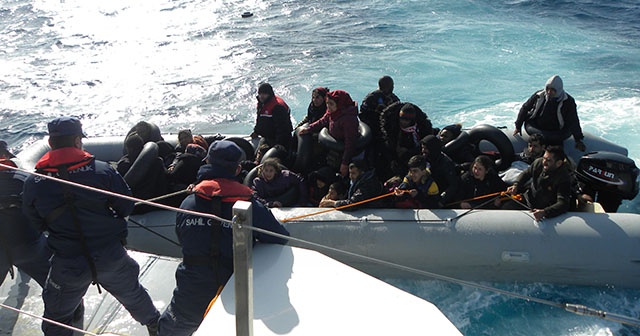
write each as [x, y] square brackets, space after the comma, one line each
[243, 268]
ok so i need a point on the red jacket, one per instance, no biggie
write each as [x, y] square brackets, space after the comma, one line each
[273, 122]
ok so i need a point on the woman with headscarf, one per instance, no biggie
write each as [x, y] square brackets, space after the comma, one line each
[342, 120]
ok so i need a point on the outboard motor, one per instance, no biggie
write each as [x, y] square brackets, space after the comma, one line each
[608, 177]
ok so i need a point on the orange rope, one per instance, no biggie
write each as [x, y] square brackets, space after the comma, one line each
[342, 207]
[501, 193]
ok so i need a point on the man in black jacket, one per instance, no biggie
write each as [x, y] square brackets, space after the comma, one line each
[273, 119]
[553, 112]
[364, 186]
[546, 185]
[376, 101]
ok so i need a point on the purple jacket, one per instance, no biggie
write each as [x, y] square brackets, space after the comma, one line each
[287, 187]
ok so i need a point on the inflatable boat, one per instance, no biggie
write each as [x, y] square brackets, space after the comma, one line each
[589, 248]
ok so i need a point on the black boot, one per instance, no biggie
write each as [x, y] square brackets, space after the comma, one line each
[153, 328]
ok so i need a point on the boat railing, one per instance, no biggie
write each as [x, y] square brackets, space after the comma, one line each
[243, 267]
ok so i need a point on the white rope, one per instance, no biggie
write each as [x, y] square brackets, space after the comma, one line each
[581, 310]
[49, 321]
[126, 197]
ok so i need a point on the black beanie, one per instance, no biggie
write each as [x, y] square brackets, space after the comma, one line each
[433, 145]
[265, 88]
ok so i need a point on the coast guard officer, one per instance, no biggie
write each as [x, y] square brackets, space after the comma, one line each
[207, 264]
[86, 230]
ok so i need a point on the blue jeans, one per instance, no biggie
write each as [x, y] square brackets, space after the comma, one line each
[196, 286]
[70, 278]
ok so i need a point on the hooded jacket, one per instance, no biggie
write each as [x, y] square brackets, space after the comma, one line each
[443, 169]
[557, 113]
[102, 217]
[342, 123]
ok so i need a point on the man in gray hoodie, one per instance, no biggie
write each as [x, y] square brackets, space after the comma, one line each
[553, 113]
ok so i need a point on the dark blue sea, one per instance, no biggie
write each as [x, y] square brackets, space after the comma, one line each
[197, 64]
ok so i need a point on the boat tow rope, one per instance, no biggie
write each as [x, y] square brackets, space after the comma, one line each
[342, 206]
[169, 195]
[570, 307]
[503, 196]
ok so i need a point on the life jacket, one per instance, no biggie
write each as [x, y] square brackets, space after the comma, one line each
[70, 157]
[7, 162]
[217, 191]
[227, 190]
[267, 109]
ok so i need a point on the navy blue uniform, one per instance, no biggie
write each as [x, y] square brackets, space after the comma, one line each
[22, 245]
[207, 264]
[59, 209]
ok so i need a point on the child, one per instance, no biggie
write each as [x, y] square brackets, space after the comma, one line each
[319, 183]
[277, 187]
[420, 190]
[337, 191]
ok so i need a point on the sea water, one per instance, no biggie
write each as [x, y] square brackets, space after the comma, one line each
[197, 64]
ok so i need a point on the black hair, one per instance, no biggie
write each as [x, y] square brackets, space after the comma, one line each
[537, 137]
[557, 152]
[385, 81]
[485, 161]
[339, 187]
[417, 161]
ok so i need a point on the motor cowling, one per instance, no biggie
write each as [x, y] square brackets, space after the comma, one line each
[610, 172]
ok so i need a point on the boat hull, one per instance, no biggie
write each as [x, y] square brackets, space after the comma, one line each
[590, 249]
